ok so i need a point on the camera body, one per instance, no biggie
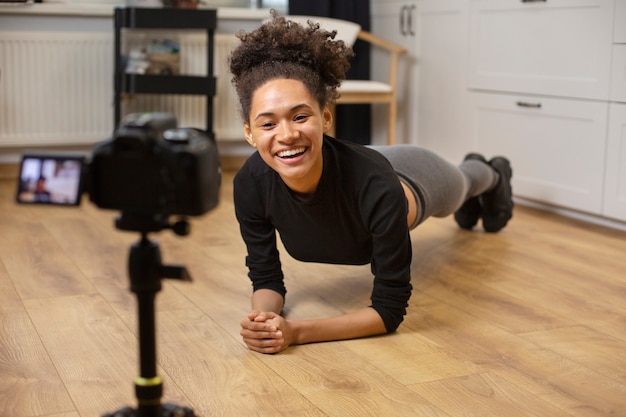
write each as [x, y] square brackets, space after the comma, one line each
[149, 167]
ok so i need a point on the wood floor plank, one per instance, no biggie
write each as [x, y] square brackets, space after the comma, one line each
[29, 383]
[586, 346]
[485, 395]
[540, 371]
[101, 253]
[410, 358]
[341, 383]
[542, 280]
[219, 375]
[461, 283]
[34, 257]
[73, 414]
[93, 351]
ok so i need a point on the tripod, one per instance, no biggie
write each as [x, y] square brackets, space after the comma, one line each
[146, 270]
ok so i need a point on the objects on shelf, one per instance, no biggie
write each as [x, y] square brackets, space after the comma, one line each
[161, 57]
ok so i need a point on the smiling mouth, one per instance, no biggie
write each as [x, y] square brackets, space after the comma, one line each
[291, 153]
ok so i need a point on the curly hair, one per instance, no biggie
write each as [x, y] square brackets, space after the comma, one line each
[282, 48]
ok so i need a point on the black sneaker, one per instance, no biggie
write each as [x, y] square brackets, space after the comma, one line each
[469, 213]
[497, 204]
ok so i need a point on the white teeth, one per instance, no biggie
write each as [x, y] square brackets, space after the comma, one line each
[290, 152]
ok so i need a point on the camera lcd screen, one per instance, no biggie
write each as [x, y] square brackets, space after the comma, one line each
[50, 179]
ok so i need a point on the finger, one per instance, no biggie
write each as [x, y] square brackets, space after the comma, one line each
[265, 345]
[258, 326]
[253, 314]
[260, 335]
[260, 317]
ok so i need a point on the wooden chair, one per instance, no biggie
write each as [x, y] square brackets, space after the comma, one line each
[365, 91]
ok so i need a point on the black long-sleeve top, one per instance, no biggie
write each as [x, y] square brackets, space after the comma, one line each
[356, 216]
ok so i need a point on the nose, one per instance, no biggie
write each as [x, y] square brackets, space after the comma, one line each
[288, 132]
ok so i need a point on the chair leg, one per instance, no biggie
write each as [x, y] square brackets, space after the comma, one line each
[391, 127]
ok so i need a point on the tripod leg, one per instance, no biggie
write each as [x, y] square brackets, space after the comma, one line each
[148, 385]
[144, 265]
[146, 271]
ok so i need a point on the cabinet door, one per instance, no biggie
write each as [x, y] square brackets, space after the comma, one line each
[433, 95]
[443, 98]
[560, 48]
[556, 146]
[395, 21]
[615, 189]
[618, 74]
[619, 33]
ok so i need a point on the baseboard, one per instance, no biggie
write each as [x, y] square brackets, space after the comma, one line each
[573, 214]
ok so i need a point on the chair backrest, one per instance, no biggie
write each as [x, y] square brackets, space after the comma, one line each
[346, 31]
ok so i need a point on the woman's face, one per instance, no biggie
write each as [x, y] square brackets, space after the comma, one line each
[286, 126]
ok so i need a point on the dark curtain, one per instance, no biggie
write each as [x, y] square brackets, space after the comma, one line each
[350, 117]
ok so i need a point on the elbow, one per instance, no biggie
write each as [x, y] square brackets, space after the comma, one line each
[391, 318]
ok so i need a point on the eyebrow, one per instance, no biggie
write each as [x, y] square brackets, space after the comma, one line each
[294, 108]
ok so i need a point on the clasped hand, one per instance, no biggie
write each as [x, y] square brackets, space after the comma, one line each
[266, 332]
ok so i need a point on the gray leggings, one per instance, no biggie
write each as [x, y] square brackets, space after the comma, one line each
[440, 187]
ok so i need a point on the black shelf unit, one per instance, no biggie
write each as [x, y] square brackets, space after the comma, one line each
[164, 18]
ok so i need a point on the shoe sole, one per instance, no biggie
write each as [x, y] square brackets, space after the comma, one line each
[496, 220]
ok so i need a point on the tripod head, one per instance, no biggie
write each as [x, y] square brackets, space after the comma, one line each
[154, 222]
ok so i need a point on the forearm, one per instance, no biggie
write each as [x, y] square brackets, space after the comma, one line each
[360, 323]
[267, 300]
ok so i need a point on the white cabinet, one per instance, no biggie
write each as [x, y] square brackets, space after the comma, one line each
[556, 146]
[395, 21]
[443, 98]
[543, 77]
[433, 75]
[619, 32]
[618, 74]
[541, 82]
[615, 186]
[560, 48]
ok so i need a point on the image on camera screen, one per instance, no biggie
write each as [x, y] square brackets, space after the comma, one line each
[50, 179]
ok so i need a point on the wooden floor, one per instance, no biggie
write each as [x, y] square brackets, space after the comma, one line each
[528, 322]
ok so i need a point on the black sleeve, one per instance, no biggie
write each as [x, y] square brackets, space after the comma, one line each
[259, 235]
[384, 206]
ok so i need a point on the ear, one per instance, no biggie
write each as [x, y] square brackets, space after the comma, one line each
[328, 118]
[248, 134]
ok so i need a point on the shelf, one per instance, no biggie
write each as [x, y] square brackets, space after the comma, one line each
[166, 18]
[169, 84]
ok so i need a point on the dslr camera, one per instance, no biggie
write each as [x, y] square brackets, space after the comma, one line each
[149, 168]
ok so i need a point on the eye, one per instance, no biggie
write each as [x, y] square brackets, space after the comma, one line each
[266, 124]
[301, 117]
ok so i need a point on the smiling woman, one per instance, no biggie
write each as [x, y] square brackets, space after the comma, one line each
[333, 201]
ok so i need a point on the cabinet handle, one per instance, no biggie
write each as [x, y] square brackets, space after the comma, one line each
[410, 19]
[403, 15]
[534, 1]
[406, 20]
[529, 105]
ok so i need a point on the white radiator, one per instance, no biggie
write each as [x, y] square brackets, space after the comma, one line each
[57, 88]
